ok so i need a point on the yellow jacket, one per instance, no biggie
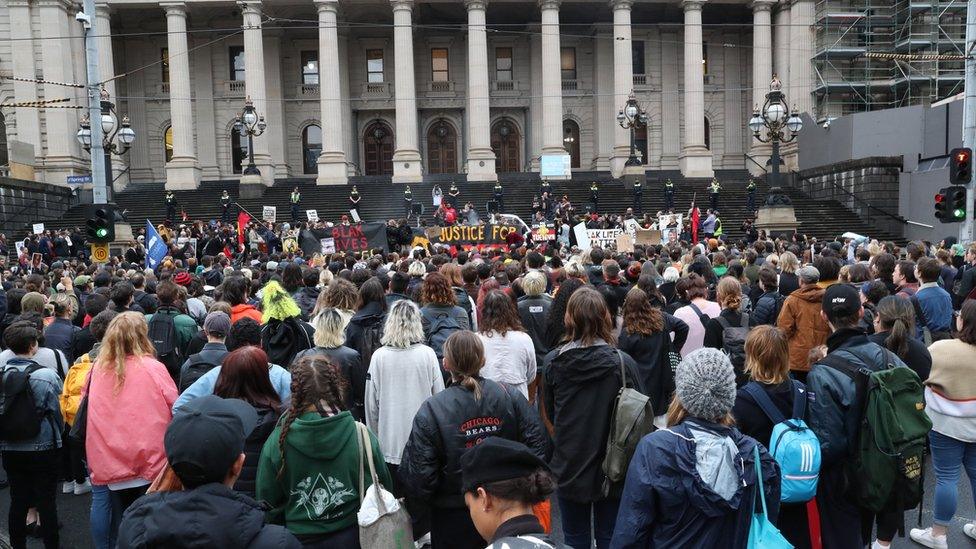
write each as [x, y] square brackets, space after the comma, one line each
[74, 384]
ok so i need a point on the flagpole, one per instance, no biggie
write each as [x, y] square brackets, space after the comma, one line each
[238, 204]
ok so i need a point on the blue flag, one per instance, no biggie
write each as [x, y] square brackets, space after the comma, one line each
[155, 247]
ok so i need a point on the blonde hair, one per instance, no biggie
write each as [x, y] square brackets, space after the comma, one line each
[330, 328]
[767, 355]
[534, 283]
[788, 262]
[575, 269]
[403, 325]
[64, 305]
[729, 293]
[127, 335]
[417, 269]
[325, 278]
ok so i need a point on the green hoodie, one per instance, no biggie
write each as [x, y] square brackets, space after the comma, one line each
[319, 490]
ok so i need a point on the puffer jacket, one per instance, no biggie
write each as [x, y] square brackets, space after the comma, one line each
[211, 515]
[305, 299]
[74, 384]
[267, 419]
[833, 396]
[534, 312]
[450, 422]
[767, 309]
[800, 320]
[678, 494]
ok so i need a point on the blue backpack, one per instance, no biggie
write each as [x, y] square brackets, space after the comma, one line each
[793, 444]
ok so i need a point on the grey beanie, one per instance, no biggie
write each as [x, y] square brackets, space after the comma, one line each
[705, 384]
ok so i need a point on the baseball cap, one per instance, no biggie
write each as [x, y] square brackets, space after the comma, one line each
[206, 437]
[217, 323]
[841, 300]
[809, 274]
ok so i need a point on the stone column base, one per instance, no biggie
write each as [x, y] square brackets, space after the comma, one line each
[618, 160]
[407, 168]
[696, 162]
[333, 169]
[481, 165]
[633, 170]
[252, 186]
[183, 174]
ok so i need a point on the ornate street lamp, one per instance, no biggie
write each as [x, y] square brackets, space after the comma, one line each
[779, 127]
[249, 123]
[111, 128]
[631, 117]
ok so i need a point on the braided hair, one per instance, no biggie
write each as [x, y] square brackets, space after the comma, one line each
[316, 384]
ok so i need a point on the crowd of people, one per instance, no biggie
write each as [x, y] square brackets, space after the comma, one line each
[241, 393]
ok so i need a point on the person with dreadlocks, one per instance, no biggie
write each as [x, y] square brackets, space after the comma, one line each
[309, 470]
[284, 333]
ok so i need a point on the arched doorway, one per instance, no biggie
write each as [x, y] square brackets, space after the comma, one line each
[378, 149]
[507, 145]
[311, 148]
[238, 150]
[571, 141]
[441, 148]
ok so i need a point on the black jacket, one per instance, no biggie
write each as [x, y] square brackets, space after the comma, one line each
[450, 422]
[353, 370]
[534, 312]
[579, 389]
[767, 309]
[305, 298]
[749, 417]
[364, 318]
[918, 357]
[283, 339]
[211, 515]
[714, 329]
[148, 302]
[788, 283]
[267, 419]
[651, 353]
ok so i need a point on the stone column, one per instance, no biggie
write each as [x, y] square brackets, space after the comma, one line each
[106, 70]
[25, 66]
[670, 105]
[63, 156]
[406, 158]
[552, 83]
[623, 80]
[762, 70]
[183, 170]
[695, 159]
[533, 133]
[203, 107]
[481, 159]
[799, 88]
[255, 87]
[781, 37]
[332, 161]
[604, 102]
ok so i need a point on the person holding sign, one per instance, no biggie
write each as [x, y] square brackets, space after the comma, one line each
[224, 207]
[354, 199]
[407, 201]
[638, 192]
[453, 193]
[295, 200]
[499, 194]
[669, 196]
[595, 197]
[171, 205]
[713, 191]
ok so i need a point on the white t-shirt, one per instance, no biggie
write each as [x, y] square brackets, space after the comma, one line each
[509, 359]
[48, 358]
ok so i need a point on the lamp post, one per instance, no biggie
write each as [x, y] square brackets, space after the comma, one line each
[773, 117]
[111, 128]
[631, 117]
[249, 123]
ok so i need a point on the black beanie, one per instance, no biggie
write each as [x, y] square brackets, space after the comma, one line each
[496, 459]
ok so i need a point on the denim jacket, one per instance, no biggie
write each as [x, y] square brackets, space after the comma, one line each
[46, 386]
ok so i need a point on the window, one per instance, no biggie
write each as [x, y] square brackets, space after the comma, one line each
[236, 62]
[568, 63]
[374, 65]
[438, 64]
[571, 142]
[238, 150]
[164, 64]
[310, 68]
[637, 53]
[503, 64]
[311, 148]
[168, 144]
[704, 58]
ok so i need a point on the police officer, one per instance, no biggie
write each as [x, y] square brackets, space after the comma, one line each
[669, 196]
[751, 195]
[407, 201]
[499, 194]
[638, 191]
[170, 206]
[713, 191]
[295, 200]
[453, 194]
[595, 197]
[225, 207]
[354, 199]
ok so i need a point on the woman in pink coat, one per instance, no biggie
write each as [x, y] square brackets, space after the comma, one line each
[130, 399]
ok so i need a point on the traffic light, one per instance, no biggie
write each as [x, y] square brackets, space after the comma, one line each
[100, 225]
[960, 166]
[950, 204]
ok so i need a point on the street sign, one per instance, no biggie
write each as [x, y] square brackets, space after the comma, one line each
[79, 179]
[99, 253]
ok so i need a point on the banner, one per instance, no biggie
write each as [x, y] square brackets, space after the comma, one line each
[603, 238]
[475, 234]
[543, 232]
[345, 238]
[269, 213]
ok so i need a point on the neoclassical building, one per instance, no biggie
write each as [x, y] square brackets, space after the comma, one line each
[405, 87]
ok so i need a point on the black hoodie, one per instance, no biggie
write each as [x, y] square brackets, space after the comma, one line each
[580, 388]
[211, 515]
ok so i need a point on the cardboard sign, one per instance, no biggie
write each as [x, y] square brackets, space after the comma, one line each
[270, 213]
[38, 228]
[328, 245]
[631, 226]
[582, 236]
[312, 215]
[648, 237]
[355, 216]
[624, 243]
[475, 234]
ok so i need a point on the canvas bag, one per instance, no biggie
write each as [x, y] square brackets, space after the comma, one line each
[384, 528]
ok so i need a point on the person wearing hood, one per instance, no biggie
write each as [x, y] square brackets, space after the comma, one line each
[582, 379]
[694, 484]
[369, 317]
[309, 470]
[801, 321]
[207, 512]
[306, 296]
[284, 333]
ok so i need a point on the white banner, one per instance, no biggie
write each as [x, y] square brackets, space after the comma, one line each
[582, 238]
[603, 238]
[270, 213]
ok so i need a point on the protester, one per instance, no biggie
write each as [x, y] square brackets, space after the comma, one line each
[369, 317]
[934, 303]
[329, 337]
[509, 351]
[48, 358]
[894, 329]
[770, 302]
[60, 334]
[801, 320]
[534, 308]
[697, 312]
[729, 295]
[216, 327]
[284, 333]
[235, 290]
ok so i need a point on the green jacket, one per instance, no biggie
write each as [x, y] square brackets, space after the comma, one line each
[319, 490]
[185, 326]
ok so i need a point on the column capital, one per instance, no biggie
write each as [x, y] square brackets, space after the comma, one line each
[549, 4]
[692, 5]
[621, 4]
[476, 4]
[174, 8]
[102, 9]
[762, 5]
[327, 5]
[65, 5]
[250, 7]
[402, 5]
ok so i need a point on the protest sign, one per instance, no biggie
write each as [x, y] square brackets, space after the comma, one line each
[346, 238]
[582, 238]
[270, 213]
[355, 215]
[328, 245]
[312, 215]
[474, 234]
[38, 228]
[624, 243]
[543, 232]
[603, 238]
[648, 237]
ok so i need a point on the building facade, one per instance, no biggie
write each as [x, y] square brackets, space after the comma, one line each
[406, 87]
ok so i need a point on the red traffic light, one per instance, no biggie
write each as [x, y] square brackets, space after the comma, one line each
[939, 198]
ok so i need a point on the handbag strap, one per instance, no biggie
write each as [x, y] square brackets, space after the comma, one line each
[759, 482]
[359, 445]
[623, 372]
[365, 441]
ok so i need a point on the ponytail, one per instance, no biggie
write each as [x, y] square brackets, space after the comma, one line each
[898, 337]
[468, 383]
[464, 355]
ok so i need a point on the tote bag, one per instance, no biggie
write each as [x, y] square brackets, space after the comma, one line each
[763, 533]
[389, 529]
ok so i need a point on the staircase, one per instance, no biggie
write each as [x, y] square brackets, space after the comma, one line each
[382, 200]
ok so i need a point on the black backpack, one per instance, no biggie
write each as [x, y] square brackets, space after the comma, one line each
[19, 419]
[372, 336]
[194, 371]
[441, 328]
[734, 345]
[162, 333]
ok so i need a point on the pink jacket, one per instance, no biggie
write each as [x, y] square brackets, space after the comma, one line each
[126, 425]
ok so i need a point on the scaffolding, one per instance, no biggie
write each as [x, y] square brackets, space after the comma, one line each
[846, 81]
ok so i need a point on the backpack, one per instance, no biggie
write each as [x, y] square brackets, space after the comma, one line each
[441, 328]
[19, 418]
[284, 339]
[888, 456]
[372, 336]
[632, 418]
[702, 317]
[194, 371]
[792, 444]
[162, 333]
[734, 345]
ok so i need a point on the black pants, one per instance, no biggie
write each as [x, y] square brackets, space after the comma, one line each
[347, 538]
[170, 212]
[33, 478]
[419, 511]
[72, 460]
[294, 212]
[124, 498]
[638, 203]
[842, 522]
[453, 529]
[500, 201]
